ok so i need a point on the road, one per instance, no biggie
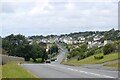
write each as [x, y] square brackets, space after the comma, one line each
[57, 70]
[60, 57]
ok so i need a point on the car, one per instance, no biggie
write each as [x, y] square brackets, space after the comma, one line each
[53, 59]
[48, 61]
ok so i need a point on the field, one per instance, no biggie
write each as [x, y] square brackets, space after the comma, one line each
[91, 60]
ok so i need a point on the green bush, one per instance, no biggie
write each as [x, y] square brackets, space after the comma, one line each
[68, 56]
[99, 56]
[39, 60]
[31, 60]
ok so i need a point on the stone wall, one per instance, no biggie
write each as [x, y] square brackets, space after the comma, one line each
[6, 58]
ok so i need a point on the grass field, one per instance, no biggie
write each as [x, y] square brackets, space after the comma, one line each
[13, 70]
[91, 60]
[116, 64]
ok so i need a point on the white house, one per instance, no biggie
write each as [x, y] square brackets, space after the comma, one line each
[81, 38]
[108, 41]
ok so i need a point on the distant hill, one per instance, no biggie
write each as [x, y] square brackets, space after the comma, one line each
[108, 35]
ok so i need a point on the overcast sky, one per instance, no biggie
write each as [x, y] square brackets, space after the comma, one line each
[43, 17]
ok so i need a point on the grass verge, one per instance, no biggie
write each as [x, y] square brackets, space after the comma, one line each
[0, 71]
[115, 64]
[91, 60]
[13, 70]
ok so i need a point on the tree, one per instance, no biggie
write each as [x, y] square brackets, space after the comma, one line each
[12, 42]
[117, 44]
[53, 49]
[17, 45]
[108, 48]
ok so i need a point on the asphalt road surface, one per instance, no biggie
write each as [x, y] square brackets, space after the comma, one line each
[56, 70]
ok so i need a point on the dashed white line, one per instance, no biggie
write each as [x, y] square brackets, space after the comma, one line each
[84, 71]
[70, 69]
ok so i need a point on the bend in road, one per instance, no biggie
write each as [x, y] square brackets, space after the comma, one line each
[57, 70]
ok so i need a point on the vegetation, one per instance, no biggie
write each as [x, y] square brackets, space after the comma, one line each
[83, 52]
[31, 60]
[99, 56]
[17, 45]
[0, 71]
[53, 51]
[39, 60]
[13, 70]
[108, 35]
[92, 60]
[115, 64]
[78, 52]
[109, 48]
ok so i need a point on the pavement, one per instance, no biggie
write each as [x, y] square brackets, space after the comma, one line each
[57, 70]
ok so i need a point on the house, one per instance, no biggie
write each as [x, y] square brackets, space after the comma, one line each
[97, 37]
[76, 47]
[108, 41]
[94, 44]
[81, 38]
[30, 41]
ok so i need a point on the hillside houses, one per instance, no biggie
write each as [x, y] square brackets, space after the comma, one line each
[98, 44]
[97, 37]
[81, 38]
[108, 41]
[67, 40]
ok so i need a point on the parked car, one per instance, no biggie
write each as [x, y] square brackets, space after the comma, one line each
[48, 61]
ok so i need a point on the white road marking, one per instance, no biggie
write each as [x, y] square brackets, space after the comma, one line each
[70, 69]
[76, 70]
[83, 71]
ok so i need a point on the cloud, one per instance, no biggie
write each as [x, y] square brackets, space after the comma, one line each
[47, 17]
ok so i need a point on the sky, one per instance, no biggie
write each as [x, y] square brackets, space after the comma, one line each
[45, 17]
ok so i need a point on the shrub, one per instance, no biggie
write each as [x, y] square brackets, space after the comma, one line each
[31, 60]
[39, 60]
[99, 56]
[68, 56]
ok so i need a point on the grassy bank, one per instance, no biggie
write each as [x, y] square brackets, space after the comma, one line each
[116, 64]
[91, 60]
[13, 70]
[0, 71]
